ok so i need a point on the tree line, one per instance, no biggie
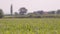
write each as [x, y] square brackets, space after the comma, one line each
[35, 14]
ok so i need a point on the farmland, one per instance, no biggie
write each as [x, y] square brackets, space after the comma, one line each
[30, 26]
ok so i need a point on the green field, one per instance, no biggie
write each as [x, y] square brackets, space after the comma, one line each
[30, 26]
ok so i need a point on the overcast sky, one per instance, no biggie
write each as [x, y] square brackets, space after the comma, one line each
[31, 5]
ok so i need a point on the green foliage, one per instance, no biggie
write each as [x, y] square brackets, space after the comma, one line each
[1, 13]
[30, 26]
[23, 11]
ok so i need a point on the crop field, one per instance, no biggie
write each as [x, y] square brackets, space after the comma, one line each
[30, 26]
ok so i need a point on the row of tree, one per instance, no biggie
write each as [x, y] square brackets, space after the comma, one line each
[23, 11]
[39, 13]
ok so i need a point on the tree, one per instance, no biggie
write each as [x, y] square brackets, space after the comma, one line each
[22, 10]
[11, 10]
[1, 13]
[58, 11]
[51, 12]
[40, 12]
[16, 13]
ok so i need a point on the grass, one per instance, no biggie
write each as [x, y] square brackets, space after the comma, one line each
[30, 26]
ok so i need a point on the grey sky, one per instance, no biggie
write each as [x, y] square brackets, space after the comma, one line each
[31, 5]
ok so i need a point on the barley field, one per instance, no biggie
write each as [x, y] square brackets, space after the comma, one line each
[30, 26]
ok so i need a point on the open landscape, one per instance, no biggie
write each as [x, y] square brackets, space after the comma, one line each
[29, 16]
[30, 26]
